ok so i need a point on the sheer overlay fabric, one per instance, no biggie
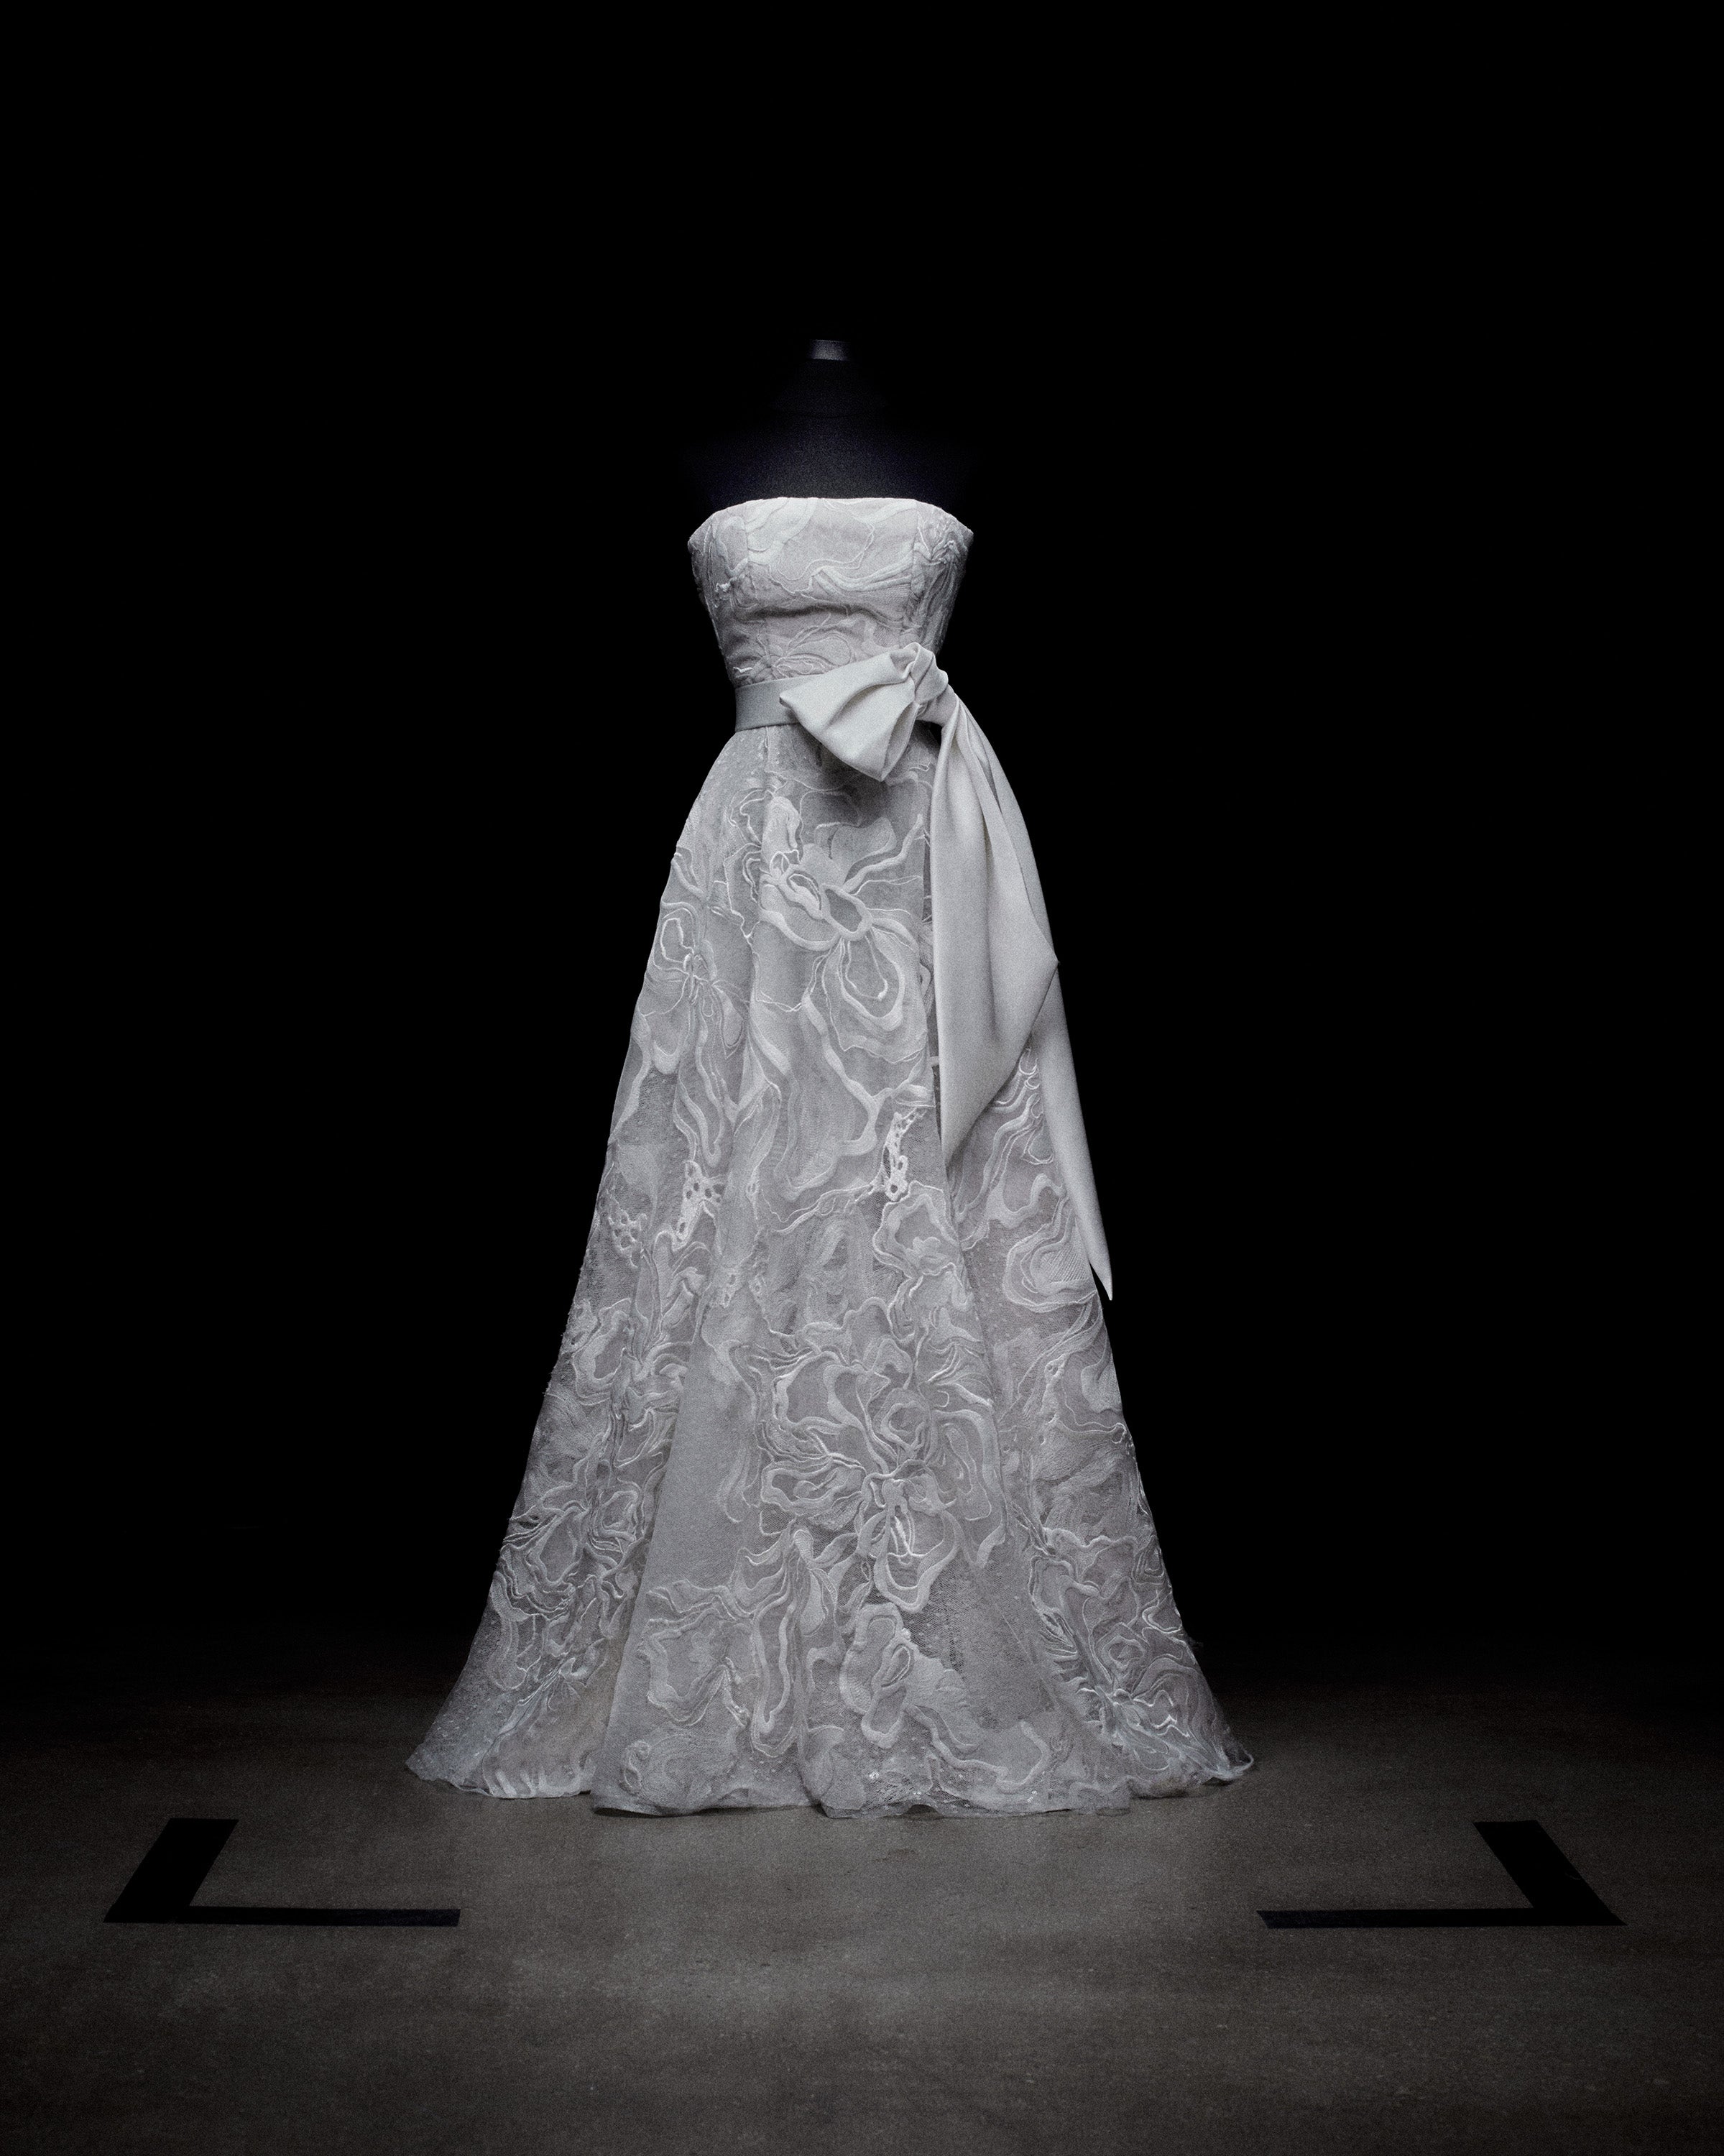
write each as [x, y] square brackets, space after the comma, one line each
[830, 1500]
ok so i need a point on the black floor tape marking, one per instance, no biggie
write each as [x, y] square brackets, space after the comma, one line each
[1557, 1892]
[160, 1890]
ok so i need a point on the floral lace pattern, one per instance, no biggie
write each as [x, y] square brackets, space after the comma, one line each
[795, 586]
[830, 1500]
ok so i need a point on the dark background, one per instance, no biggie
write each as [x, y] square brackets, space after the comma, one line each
[1308, 641]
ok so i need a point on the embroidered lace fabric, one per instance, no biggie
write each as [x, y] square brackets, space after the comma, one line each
[830, 1500]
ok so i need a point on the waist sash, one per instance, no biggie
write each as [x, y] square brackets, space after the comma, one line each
[995, 984]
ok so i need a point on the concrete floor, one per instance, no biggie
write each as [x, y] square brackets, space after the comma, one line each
[777, 1981]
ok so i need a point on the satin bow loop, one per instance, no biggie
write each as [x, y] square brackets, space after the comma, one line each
[864, 713]
[994, 967]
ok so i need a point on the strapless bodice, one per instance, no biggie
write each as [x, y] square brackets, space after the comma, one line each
[797, 585]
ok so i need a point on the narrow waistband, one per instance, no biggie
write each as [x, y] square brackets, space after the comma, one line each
[757, 705]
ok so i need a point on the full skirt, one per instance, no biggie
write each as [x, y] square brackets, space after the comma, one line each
[831, 1501]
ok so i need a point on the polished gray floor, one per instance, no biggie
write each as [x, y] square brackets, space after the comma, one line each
[782, 1982]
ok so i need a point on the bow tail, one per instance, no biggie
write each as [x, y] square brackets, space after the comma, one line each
[991, 962]
[1017, 917]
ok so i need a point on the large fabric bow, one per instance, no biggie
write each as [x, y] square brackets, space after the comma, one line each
[995, 984]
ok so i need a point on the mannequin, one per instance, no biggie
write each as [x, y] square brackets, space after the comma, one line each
[829, 431]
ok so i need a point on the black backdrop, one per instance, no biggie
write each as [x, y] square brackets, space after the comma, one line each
[1286, 625]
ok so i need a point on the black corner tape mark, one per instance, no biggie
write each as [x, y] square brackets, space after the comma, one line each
[1556, 1890]
[160, 1890]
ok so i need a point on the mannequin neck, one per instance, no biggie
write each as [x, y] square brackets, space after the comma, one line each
[829, 431]
[828, 384]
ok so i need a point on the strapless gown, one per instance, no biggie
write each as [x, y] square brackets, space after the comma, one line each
[831, 1501]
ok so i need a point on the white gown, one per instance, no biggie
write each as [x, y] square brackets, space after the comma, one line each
[830, 1500]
